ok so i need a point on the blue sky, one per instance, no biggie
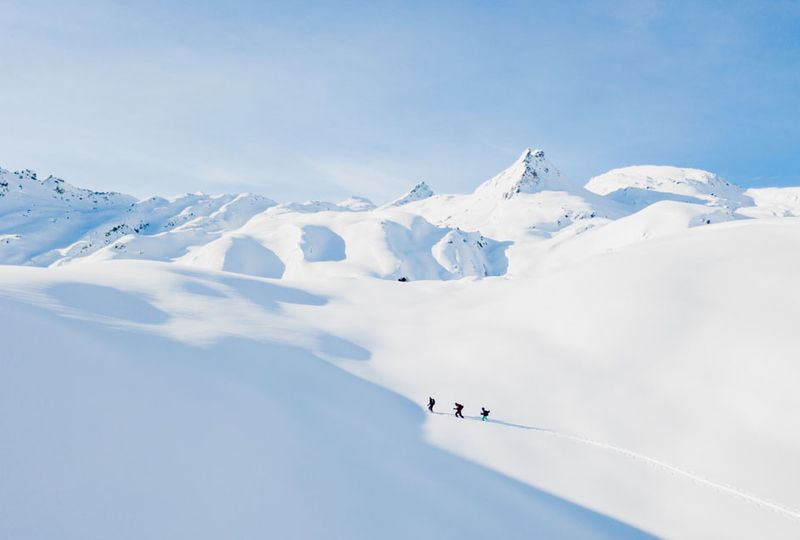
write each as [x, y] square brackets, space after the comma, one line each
[300, 100]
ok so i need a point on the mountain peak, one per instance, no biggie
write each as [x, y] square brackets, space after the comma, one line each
[531, 172]
[27, 189]
[530, 154]
[420, 191]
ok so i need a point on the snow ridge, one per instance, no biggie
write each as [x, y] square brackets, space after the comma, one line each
[531, 172]
[24, 190]
[417, 193]
[645, 184]
[530, 204]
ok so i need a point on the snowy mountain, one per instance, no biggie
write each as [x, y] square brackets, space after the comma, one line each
[357, 204]
[419, 192]
[227, 366]
[528, 208]
[22, 190]
[46, 222]
[531, 173]
[643, 185]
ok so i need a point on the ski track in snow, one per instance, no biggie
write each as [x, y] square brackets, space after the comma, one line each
[731, 490]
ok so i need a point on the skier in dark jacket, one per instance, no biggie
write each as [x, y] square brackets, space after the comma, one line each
[458, 409]
[484, 413]
[431, 403]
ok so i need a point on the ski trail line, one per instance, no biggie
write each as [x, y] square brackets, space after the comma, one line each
[736, 492]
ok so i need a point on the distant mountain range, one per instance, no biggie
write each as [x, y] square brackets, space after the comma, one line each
[420, 235]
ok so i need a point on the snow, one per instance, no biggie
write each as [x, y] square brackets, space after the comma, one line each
[321, 244]
[143, 432]
[675, 349]
[645, 184]
[419, 192]
[531, 172]
[660, 219]
[773, 202]
[356, 204]
[56, 222]
[223, 365]
[240, 254]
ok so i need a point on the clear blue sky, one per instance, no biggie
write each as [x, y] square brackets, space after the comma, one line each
[300, 100]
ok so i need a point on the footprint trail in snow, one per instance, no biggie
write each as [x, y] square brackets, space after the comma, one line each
[753, 499]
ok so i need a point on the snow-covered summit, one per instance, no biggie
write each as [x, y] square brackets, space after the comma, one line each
[356, 204]
[530, 173]
[419, 192]
[642, 185]
[530, 197]
[24, 189]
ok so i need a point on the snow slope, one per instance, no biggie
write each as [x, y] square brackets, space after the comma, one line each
[773, 202]
[229, 366]
[167, 403]
[655, 384]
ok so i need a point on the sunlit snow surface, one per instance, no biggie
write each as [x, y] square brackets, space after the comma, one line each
[225, 366]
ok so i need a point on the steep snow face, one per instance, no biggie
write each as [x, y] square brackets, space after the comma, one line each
[321, 244]
[531, 173]
[419, 192]
[424, 251]
[645, 184]
[239, 254]
[470, 254]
